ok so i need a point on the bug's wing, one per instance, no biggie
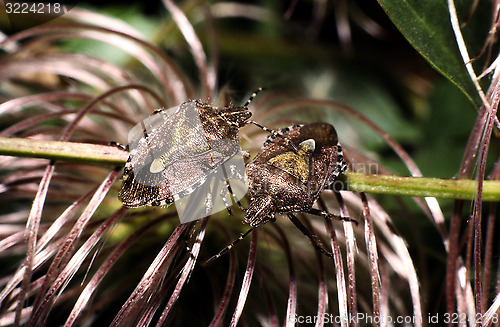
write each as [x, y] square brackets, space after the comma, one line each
[136, 194]
[177, 179]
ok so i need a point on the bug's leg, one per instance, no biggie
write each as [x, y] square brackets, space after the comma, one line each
[159, 110]
[144, 130]
[231, 193]
[227, 248]
[233, 196]
[322, 213]
[223, 196]
[313, 238]
[119, 145]
[246, 155]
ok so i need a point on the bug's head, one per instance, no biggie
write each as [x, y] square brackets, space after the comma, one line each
[239, 115]
[261, 210]
[236, 115]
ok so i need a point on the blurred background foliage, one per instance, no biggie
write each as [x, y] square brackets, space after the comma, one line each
[290, 49]
[351, 52]
[346, 51]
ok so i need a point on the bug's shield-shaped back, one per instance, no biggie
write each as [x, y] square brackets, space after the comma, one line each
[172, 156]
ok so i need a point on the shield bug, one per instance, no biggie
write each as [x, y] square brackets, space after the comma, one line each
[173, 152]
[288, 175]
[292, 169]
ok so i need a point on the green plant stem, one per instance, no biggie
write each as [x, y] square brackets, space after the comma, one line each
[64, 151]
[463, 189]
[381, 184]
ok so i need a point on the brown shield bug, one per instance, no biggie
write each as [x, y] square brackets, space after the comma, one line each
[173, 152]
[292, 169]
[289, 174]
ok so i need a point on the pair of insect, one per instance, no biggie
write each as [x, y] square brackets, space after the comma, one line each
[288, 175]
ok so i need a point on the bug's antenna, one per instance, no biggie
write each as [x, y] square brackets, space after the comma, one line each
[275, 133]
[254, 94]
[227, 248]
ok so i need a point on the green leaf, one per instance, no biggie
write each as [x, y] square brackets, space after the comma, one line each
[426, 25]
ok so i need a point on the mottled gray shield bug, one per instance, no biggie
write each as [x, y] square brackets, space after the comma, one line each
[288, 175]
[174, 152]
